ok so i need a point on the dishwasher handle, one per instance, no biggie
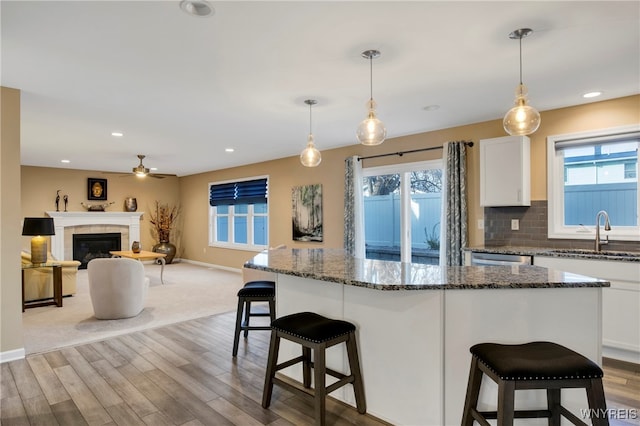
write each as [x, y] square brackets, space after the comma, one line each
[499, 259]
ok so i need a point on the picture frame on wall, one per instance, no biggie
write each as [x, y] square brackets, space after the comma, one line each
[96, 189]
[307, 224]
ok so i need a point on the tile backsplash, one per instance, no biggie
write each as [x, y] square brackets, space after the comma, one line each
[533, 230]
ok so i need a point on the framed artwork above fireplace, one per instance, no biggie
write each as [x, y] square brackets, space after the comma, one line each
[96, 189]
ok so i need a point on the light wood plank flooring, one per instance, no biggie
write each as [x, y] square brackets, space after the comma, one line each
[183, 374]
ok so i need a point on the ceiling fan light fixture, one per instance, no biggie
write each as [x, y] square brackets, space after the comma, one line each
[371, 130]
[310, 156]
[522, 119]
[140, 170]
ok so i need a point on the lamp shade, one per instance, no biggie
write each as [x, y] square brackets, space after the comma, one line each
[38, 226]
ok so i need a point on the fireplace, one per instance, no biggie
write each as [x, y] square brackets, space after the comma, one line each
[91, 246]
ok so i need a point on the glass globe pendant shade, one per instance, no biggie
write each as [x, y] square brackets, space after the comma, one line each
[371, 131]
[522, 119]
[310, 156]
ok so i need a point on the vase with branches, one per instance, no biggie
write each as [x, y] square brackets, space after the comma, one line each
[163, 219]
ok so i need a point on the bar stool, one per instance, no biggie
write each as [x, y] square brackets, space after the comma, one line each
[253, 291]
[314, 333]
[535, 365]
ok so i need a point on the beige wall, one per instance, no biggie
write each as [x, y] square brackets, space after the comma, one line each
[288, 172]
[10, 221]
[39, 186]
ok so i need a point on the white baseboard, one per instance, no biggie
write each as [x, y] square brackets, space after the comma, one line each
[211, 265]
[621, 354]
[12, 355]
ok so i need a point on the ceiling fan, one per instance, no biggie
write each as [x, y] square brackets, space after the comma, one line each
[141, 171]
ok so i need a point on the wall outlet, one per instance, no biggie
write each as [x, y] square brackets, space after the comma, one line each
[480, 223]
[204, 249]
[515, 224]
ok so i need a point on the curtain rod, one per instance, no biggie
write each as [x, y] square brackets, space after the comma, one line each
[401, 153]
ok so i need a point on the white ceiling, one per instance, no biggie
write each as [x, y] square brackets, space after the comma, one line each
[182, 89]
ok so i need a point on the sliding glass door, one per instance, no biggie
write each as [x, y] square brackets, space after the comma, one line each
[402, 205]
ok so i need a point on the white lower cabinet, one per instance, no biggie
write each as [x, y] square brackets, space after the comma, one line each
[620, 302]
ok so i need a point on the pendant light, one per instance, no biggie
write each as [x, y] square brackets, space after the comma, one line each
[522, 119]
[310, 156]
[371, 131]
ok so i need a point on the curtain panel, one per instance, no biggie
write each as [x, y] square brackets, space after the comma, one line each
[353, 208]
[454, 202]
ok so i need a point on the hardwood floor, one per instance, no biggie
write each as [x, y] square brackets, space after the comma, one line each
[183, 374]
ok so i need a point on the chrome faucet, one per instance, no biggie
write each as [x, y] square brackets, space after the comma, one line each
[607, 227]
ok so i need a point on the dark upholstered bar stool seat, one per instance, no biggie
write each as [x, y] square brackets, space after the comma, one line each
[253, 291]
[535, 365]
[314, 333]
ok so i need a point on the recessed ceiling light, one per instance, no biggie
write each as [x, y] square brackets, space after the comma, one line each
[197, 8]
[65, 161]
[229, 150]
[153, 169]
[431, 107]
[592, 94]
[117, 134]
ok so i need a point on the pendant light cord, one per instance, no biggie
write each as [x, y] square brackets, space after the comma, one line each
[520, 59]
[371, 75]
[310, 105]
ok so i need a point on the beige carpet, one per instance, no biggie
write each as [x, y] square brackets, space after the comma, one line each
[189, 291]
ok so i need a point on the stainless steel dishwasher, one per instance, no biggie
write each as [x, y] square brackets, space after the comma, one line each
[486, 259]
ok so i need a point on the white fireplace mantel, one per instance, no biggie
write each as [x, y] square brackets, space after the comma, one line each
[63, 220]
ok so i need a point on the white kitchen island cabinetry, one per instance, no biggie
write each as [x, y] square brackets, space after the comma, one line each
[416, 323]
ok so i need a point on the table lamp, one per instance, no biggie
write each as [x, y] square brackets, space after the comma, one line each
[38, 227]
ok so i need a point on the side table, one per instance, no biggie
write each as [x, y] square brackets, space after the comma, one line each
[57, 285]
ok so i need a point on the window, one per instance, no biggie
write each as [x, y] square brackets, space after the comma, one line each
[589, 172]
[239, 214]
[402, 209]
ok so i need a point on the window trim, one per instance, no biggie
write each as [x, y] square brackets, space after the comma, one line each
[555, 194]
[250, 215]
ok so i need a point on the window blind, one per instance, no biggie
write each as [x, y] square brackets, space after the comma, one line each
[243, 192]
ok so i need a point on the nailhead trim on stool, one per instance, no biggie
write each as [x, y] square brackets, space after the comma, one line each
[253, 291]
[314, 333]
[534, 365]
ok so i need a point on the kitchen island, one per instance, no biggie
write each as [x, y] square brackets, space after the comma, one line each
[417, 322]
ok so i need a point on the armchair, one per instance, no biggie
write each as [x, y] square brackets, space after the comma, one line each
[38, 282]
[118, 287]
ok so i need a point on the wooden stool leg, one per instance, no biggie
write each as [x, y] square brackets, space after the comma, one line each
[553, 405]
[270, 373]
[597, 402]
[272, 309]
[354, 367]
[506, 396]
[306, 367]
[247, 315]
[320, 387]
[236, 335]
[473, 392]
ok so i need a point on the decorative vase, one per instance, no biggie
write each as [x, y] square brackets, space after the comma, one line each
[167, 248]
[130, 204]
[135, 247]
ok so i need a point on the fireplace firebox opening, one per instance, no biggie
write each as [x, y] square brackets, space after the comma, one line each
[91, 246]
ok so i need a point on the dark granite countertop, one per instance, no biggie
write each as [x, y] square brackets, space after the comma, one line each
[334, 265]
[620, 256]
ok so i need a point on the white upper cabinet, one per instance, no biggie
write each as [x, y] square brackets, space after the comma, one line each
[505, 175]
